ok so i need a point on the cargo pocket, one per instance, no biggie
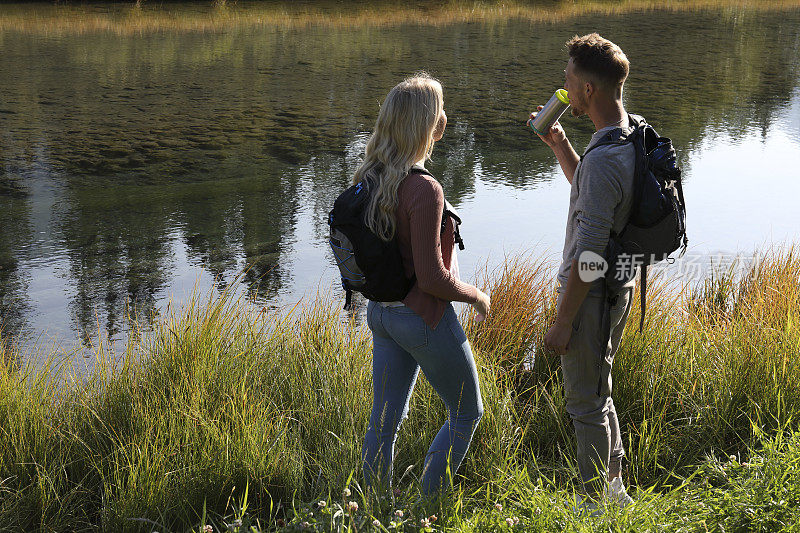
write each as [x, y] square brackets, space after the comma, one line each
[576, 323]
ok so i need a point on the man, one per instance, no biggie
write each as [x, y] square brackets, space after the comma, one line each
[600, 203]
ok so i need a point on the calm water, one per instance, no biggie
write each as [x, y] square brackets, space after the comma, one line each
[138, 159]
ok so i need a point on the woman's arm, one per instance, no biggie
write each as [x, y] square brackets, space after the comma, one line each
[425, 216]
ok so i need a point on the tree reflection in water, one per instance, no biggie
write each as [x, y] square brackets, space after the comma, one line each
[200, 142]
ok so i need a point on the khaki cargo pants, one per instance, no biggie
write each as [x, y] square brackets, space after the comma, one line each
[587, 386]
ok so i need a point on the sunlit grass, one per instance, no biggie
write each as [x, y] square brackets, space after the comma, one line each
[145, 17]
[222, 398]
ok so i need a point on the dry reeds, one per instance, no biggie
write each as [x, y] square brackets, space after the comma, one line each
[216, 15]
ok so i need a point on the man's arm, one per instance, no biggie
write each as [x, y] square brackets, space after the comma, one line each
[557, 337]
[601, 192]
[557, 140]
[567, 157]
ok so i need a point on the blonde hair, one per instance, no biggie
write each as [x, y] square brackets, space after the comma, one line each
[403, 135]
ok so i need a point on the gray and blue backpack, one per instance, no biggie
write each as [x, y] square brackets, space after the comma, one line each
[368, 264]
[657, 224]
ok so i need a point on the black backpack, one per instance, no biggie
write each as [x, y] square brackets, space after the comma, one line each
[657, 223]
[368, 264]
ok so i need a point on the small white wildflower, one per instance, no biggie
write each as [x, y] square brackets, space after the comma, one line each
[376, 523]
[352, 507]
[516, 520]
[510, 522]
[498, 507]
[732, 457]
[208, 528]
[398, 513]
[424, 522]
[237, 522]
[346, 493]
[305, 525]
[321, 504]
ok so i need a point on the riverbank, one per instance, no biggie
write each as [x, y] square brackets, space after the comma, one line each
[129, 17]
[221, 404]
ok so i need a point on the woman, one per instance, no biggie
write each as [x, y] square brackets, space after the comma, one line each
[422, 331]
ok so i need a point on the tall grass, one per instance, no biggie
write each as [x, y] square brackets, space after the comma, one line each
[221, 399]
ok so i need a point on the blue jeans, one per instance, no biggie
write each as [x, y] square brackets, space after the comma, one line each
[402, 344]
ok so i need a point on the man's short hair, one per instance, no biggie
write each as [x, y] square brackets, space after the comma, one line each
[600, 60]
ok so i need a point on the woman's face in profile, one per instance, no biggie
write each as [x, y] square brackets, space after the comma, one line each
[440, 125]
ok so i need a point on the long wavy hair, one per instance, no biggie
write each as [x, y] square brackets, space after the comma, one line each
[403, 136]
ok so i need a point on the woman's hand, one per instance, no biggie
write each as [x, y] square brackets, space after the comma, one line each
[482, 305]
[555, 136]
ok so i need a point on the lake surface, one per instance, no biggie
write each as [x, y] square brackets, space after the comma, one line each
[144, 152]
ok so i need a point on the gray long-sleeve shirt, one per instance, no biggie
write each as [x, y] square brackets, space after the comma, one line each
[599, 202]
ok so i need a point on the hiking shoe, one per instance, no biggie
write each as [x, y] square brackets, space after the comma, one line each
[615, 493]
[586, 506]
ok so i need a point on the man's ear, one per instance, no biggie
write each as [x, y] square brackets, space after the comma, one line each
[588, 88]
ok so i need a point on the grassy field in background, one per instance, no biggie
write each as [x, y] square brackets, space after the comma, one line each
[225, 415]
[127, 17]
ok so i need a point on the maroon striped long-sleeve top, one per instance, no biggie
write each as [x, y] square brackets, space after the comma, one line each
[425, 251]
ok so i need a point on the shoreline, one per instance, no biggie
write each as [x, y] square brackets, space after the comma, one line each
[127, 18]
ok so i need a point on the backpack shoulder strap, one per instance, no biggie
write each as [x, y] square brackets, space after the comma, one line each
[647, 138]
[636, 120]
[450, 211]
[614, 136]
[618, 135]
[642, 294]
[447, 211]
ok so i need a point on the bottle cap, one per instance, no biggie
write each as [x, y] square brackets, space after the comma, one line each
[561, 94]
